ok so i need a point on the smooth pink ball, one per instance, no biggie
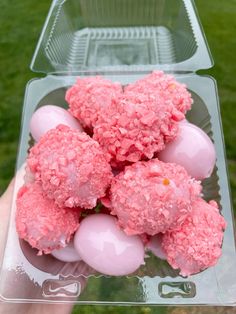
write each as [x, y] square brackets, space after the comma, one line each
[106, 248]
[193, 150]
[48, 117]
[67, 254]
[154, 245]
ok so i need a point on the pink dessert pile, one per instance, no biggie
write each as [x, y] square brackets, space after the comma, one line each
[117, 175]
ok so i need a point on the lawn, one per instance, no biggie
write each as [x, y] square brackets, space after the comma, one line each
[20, 25]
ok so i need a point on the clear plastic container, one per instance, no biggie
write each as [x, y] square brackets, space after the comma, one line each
[122, 40]
[121, 35]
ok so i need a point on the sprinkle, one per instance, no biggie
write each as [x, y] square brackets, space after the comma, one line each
[89, 96]
[142, 119]
[196, 244]
[166, 181]
[78, 182]
[40, 222]
[144, 202]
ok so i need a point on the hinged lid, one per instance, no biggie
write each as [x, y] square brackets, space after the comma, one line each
[120, 36]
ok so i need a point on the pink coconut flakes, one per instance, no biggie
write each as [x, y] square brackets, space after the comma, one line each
[71, 167]
[41, 222]
[130, 130]
[196, 244]
[152, 197]
[163, 85]
[89, 95]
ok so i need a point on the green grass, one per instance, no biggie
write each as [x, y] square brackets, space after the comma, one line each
[21, 23]
[98, 309]
[219, 22]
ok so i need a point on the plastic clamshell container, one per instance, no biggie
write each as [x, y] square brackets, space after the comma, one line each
[121, 35]
[122, 40]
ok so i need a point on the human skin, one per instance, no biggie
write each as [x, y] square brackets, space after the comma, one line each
[29, 308]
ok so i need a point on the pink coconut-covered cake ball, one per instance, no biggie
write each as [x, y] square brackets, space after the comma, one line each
[196, 245]
[89, 95]
[152, 197]
[159, 84]
[71, 167]
[135, 127]
[41, 223]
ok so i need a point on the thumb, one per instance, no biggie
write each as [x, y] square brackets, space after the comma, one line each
[5, 206]
[7, 195]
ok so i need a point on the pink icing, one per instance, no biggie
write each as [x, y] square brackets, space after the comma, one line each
[193, 150]
[106, 248]
[48, 117]
[67, 254]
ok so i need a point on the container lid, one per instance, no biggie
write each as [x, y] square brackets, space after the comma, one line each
[121, 36]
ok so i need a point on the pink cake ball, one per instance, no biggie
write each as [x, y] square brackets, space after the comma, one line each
[193, 150]
[48, 117]
[152, 197]
[165, 86]
[135, 127]
[71, 167]
[106, 248]
[196, 245]
[89, 95]
[41, 223]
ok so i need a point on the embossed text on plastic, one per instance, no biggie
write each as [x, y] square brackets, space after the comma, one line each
[61, 288]
[180, 289]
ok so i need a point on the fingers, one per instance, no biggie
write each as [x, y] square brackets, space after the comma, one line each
[5, 208]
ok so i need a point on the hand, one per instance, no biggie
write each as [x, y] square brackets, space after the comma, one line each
[23, 284]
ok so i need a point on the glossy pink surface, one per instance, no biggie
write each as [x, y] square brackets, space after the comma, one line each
[193, 150]
[106, 248]
[67, 254]
[154, 245]
[48, 117]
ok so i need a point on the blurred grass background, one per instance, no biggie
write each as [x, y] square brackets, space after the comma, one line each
[20, 26]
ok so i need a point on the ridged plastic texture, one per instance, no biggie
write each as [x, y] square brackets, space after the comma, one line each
[121, 35]
[156, 282]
